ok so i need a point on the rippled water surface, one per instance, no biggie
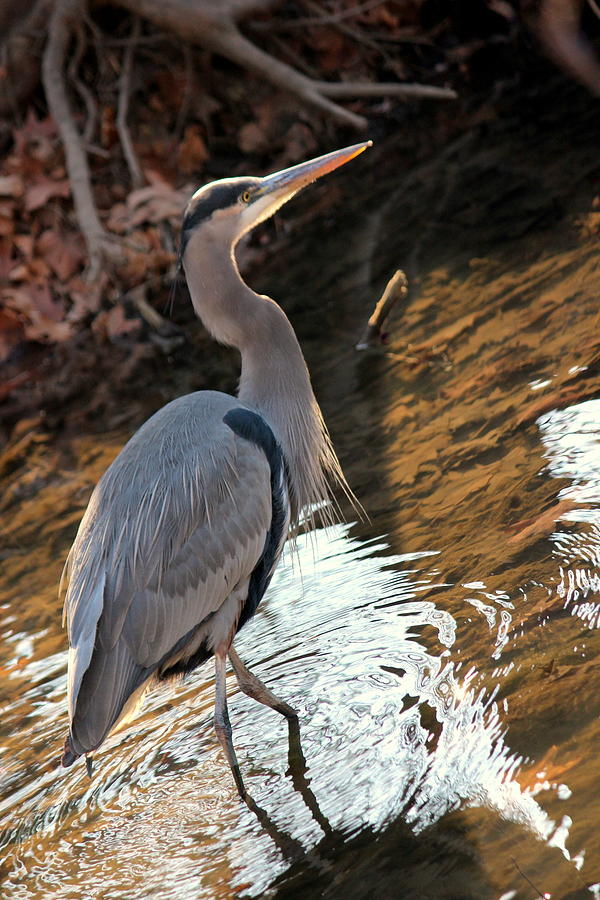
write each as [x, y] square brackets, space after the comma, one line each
[443, 656]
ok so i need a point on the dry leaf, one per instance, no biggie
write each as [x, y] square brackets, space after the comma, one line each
[11, 333]
[252, 138]
[11, 186]
[543, 525]
[45, 315]
[7, 260]
[7, 226]
[32, 298]
[24, 244]
[85, 297]
[549, 767]
[113, 323]
[42, 189]
[61, 252]
[154, 203]
[192, 152]
[36, 137]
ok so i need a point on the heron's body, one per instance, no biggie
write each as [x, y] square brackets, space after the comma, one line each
[165, 568]
[184, 530]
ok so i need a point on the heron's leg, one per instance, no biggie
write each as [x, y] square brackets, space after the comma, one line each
[223, 725]
[253, 687]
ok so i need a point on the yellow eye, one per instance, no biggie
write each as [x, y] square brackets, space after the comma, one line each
[246, 197]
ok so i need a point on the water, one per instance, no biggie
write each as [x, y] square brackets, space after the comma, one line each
[442, 656]
[400, 719]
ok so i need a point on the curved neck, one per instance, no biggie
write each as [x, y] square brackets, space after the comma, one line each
[274, 377]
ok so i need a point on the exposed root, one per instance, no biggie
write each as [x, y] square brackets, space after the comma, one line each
[560, 31]
[383, 89]
[64, 19]
[82, 89]
[135, 170]
[19, 65]
[215, 28]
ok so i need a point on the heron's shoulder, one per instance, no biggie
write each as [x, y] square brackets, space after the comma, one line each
[194, 418]
[200, 404]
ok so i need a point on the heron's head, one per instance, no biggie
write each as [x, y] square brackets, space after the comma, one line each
[225, 210]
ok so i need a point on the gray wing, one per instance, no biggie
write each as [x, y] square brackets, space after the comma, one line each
[177, 522]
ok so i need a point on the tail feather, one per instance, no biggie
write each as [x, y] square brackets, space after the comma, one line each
[69, 756]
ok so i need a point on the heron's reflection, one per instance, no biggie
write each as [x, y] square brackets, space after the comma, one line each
[292, 849]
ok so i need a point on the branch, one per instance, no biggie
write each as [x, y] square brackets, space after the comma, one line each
[65, 17]
[396, 288]
[213, 26]
[20, 72]
[82, 89]
[137, 178]
[382, 88]
[559, 30]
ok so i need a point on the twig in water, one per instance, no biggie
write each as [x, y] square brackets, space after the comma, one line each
[396, 287]
[529, 881]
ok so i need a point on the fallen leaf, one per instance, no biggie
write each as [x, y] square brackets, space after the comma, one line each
[43, 189]
[7, 226]
[32, 270]
[548, 768]
[542, 525]
[7, 260]
[85, 297]
[252, 138]
[44, 316]
[34, 297]
[154, 203]
[11, 333]
[11, 186]
[39, 134]
[192, 152]
[24, 243]
[113, 323]
[61, 252]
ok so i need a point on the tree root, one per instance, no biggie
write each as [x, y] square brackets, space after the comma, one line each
[559, 27]
[135, 171]
[64, 19]
[214, 26]
[20, 71]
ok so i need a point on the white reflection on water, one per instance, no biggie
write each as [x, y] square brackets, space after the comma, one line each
[572, 438]
[390, 726]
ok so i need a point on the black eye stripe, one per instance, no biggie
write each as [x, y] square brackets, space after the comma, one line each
[218, 196]
[212, 198]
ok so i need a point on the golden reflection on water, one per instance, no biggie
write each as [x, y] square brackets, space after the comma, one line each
[391, 725]
[446, 674]
[403, 717]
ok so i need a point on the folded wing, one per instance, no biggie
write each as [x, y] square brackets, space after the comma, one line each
[174, 527]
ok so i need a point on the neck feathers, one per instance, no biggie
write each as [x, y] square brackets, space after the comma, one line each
[274, 378]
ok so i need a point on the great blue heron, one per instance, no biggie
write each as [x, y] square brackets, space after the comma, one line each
[184, 530]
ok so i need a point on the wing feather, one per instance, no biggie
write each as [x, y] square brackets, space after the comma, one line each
[177, 521]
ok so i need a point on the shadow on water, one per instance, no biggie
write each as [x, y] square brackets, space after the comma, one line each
[443, 657]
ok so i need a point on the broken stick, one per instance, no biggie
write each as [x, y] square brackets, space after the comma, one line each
[396, 287]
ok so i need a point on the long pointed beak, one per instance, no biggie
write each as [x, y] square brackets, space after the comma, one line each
[297, 177]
